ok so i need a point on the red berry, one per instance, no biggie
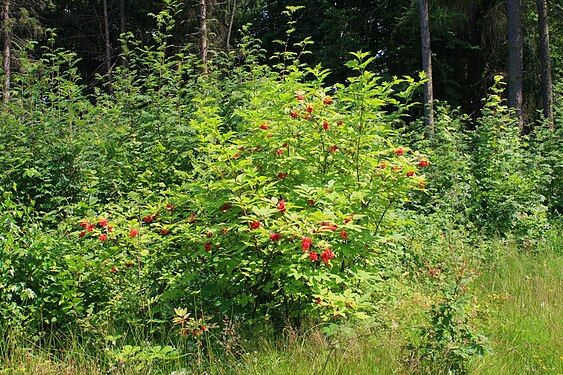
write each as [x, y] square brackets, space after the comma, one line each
[255, 225]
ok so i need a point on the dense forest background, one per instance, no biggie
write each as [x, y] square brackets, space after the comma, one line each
[469, 40]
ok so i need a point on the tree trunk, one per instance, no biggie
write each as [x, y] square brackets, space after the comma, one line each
[515, 61]
[203, 28]
[108, 46]
[7, 31]
[233, 11]
[545, 56]
[122, 31]
[427, 67]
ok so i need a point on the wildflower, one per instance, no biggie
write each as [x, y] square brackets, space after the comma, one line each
[133, 233]
[399, 151]
[281, 206]
[207, 246]
[422, 163]
[103, 223]
[325, 125]
[81, 234]
[263, 126]
[306, 243]
[103, 237]
[326, 255]
[344, 235]
[313, 256]
[327, 100]
[275, 236]
[333, 148]
[255, 225]
[410, 174]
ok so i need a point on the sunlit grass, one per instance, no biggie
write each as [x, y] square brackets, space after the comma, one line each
[527, 313]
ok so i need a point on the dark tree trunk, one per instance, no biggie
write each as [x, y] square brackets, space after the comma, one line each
[515, 61]
[203, 29]
[7, 31]
[122, 30]
[545, 53]
[427, 67]
[108, 46]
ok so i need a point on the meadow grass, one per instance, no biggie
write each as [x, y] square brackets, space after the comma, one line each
[521, 293]
[525, 326]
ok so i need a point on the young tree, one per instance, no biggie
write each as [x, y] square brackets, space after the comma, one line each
[203, 30]
[427, 67]
[515, 60]
[230, 27]
[545, 53]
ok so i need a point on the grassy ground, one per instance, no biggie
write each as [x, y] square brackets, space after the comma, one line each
[520, 292]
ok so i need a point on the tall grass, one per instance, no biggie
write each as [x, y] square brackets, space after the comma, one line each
[526, 324]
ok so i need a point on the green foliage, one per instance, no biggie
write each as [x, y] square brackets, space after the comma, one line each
[256, 193]
[490, 179]
[450, 340]
[506, 195]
